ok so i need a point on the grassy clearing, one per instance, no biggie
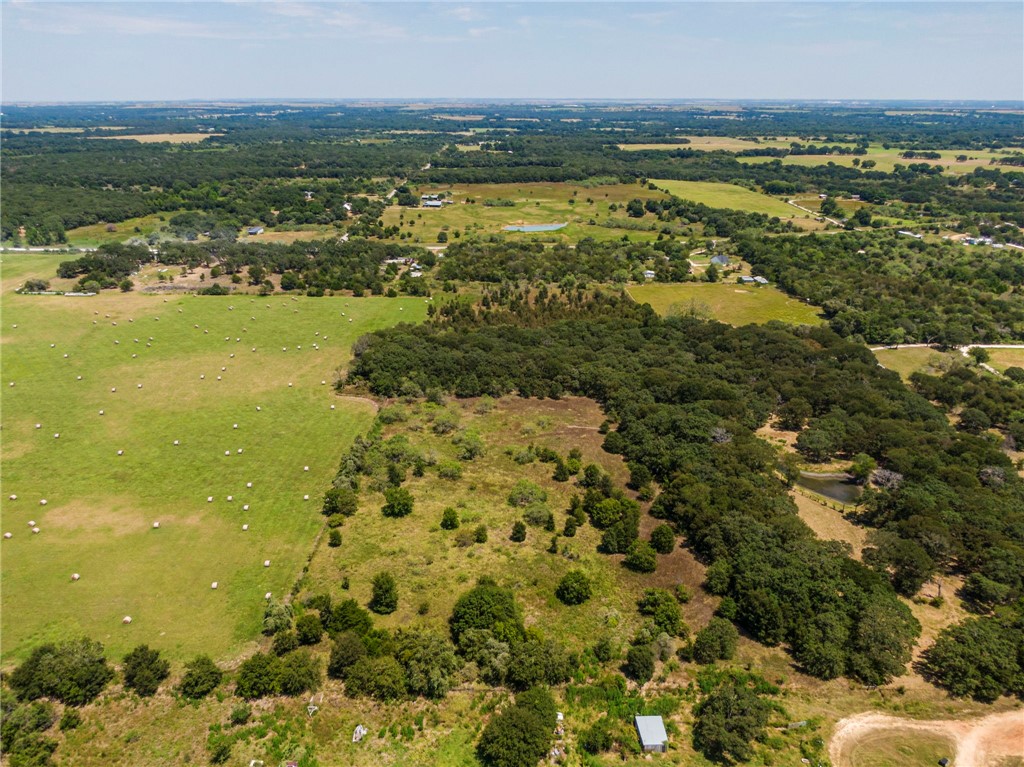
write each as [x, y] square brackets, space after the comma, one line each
[905, 747]
[711, 143]
[887, 159]
[94, 235]
[727, 196]
[1001, 359]
[727, 302]
[101, 506]
[158, 138]
[907, 361]
[530, 204]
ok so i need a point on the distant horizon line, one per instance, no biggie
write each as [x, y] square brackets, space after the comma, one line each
[506, 101]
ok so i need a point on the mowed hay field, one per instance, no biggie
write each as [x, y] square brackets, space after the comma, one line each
[909, 360]
[98, 520]
[726, 302]
[1001, 359]
[159, 138]
[530, 204]
[717, 195]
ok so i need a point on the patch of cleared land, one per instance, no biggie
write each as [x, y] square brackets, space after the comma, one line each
[529, 204]
[718, 195]
[157, 138]
[711, 143]
[887, 159]
[1001, 359]
[874, 740]
[101, 506]
[908, 360]
[726, 302]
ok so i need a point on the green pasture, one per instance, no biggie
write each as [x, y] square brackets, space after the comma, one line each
[726, 302]
[531, 204]
[907, 361]
[718, 195]
[1001, 359]
[100, 510]
[94, 235]
[887, 159]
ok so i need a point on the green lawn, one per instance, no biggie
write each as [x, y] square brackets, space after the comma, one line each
[718, 195]
[726, 302]
[887, 159]
[907, 361]
[1001, 359]
[101, 507]
[96, 234]
[531, 204]
[906, 748]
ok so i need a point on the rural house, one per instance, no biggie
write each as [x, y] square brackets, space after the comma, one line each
[720, 260]
[651, 730]
[255, 230]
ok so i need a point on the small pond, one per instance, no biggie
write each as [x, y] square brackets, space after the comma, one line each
[534, 227]
[838, 488]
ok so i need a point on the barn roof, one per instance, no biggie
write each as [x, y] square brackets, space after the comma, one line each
[651, 730]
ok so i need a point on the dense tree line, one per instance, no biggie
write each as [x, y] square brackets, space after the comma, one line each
[685, 402]
[893, 289]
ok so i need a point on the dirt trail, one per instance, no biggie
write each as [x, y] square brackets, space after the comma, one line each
[981, 742]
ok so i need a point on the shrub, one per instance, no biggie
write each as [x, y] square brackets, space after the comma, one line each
[640, 663]
[518, 532]
[285, 642]
[539, 515]
[598, 737]
[487, 606]
[346, 650]
[524, 493]
[73, 672]
[449, 519]
[663, 539]
[449, 470]
[201, 678]
[663, 609]
[604, 651]
[384, 599]
[70, 719]
[309, 629]
[240, 714]
[641, 558]
[399, 502]
[334, 538]
[728, 720]
[379, 678]
[574, 588]
[259, 676]
[300, 672]
[341, 500]
[521, 734]
[277, 617]
[144, 670]
[470, 445]
[480, 534]
[716, 641]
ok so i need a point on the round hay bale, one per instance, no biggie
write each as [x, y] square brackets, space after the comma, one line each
[289, 384]
[218, 378]
[126, 619]
[79, 378]
[202, 377]
[57, 435]
[156, 525]
[235, 426]
[231, 498]
[12, 383]
[35, 530]
[298, 347]
[52, 345]
[239, 451]
[13, 497]
[248, 484]
[245, 507]
[305, 468]
[267, 595]
[232, 355]
[209, 499]
[305, 497]
[176, 442]
[244, 528]
[332, 407]
[8, 535]
[101, 412]
[39, 426]
[227, 452]
[75, 576]
[31, 523]
[257, 408]
[323, 382]
[120, 452]
[266, 563]
[65, 356]
[113, 389]
[223, 369]
[42, 502]
[213, 585]
[140, 386]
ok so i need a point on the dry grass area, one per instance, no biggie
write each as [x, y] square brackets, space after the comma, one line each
[829, 524]
[1001, 359]
[906, 361]
[158, 138]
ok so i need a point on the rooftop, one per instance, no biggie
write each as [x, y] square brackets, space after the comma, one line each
[651, 729]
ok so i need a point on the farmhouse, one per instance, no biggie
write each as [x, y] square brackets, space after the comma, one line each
[651, 730]
[255, 230]
[432, 204]
[649, 274]
[720, 260]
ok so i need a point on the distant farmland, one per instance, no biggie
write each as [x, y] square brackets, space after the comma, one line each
[726, 302]
[727, 196]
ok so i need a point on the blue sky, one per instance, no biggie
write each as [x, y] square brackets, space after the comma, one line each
[85, 51]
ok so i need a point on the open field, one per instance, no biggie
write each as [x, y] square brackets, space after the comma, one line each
[538, 203]
[887, 159]
[1001, 359]
[94, 235]
[874, 740]
[101, 506]
[726, 302]
[711, 143]
[909, 360]
[157, 138]
[727, 196]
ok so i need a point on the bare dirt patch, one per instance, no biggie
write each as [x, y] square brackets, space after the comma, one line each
[984, 742]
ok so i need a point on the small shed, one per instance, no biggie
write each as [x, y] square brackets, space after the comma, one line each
[253, 230]
[649, 274]
[651, 730]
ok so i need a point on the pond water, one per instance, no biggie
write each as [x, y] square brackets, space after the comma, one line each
[534, 227]
[837, 488]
